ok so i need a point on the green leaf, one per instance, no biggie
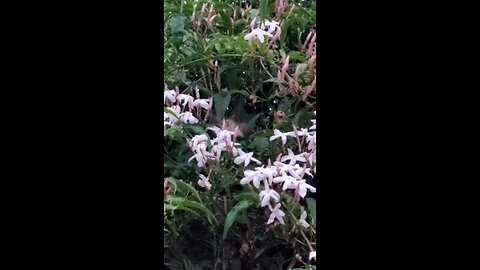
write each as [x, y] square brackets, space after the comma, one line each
[263, 8]
[301, 68]
[242, 92]
[174, 133]
[195, 129]
[197, 206]
[221, 102]
[303, 117]
[234, 212]
[184, 187]
[177, 23]
[167, 110]
[227, 23]
[218, 47]
[283, 34]
[248, 196]
[297, 56]
[311, 207]
[260, 144]
[254, 13]
[251, 123]
[274, 79]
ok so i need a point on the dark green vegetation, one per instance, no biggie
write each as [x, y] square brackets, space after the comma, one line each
[224, 227]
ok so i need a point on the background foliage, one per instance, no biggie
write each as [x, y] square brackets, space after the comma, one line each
[225, 228]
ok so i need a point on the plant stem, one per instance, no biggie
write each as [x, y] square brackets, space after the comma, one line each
[212, 57]
[300, 228]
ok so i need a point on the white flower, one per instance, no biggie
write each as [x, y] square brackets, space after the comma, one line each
[267, 195]
[303, 186]
[272, 25]
[171, 95]
[259, 33]
[187, 99]
[187, 117]
[304, 171]
[302, 221]
[312, 141]
[312, 254]
[201, 155]
[215, 129]
[293, 158]
[276, 214]
[269, 172]
[291, 169]
[203, 182]
[245, 158]
[288, 181]
[280, 134]
[254, 176]
[217, 149]
[224, 136]
[204, 103]
[176, 109]
[314, 124]
[197, 140]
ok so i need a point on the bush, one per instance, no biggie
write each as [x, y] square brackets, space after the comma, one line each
[240, 140]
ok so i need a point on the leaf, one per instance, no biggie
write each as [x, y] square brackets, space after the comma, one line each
[260, 144]
[173, 132]
[303, 117]
[221, 101]
[263, 8]
[195, 205]
[301, 68]
[274, 79]
[195, 129]
[234, 212]
[242, 92]
[297, 56]
[251, 123]
[311, 207]
[177, 23]
[184, 187]
[283, 34]
[167, 110]
[254, 13]
[248, 196]
[218, 47]
[227, 23]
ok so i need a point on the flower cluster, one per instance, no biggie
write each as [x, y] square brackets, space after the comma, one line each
[265, 29]
[286, 171]
[223, 142]
[184, 108]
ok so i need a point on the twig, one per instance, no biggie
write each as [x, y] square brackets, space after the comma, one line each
[300, 228]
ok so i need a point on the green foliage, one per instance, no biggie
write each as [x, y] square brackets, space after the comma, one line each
[223, 227]
[233, 214]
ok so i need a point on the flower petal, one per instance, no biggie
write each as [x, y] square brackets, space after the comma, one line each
[260, 37]
[249, 36]
[271, 218]
[239, 160]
